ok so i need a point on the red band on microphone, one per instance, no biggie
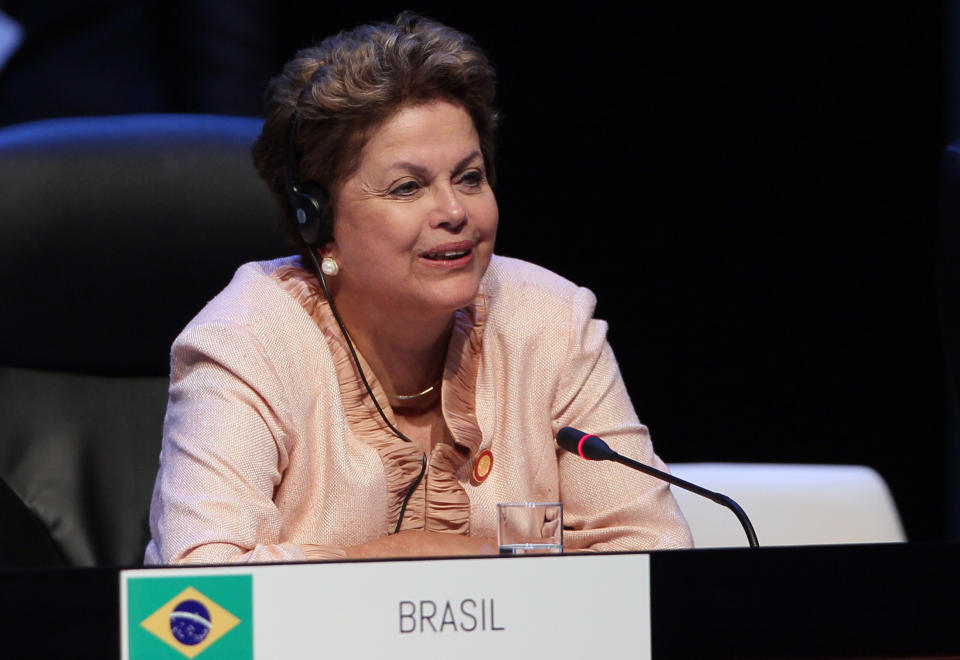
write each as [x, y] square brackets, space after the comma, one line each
[580, 445]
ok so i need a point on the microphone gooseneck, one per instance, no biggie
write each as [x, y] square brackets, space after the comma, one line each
[592, 448]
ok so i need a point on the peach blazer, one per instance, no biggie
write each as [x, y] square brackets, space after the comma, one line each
[270, 442]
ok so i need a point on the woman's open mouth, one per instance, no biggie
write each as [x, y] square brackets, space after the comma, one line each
[450, 256]
[447, 255]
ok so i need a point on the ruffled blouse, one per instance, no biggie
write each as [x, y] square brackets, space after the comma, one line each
[440, 502]
[271, 442]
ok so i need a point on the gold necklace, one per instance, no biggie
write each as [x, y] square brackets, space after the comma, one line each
[410, 397]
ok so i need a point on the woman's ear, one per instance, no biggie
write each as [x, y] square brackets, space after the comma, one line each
[329, 249]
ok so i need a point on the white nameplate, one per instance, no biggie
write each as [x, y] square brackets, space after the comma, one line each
[570, 606]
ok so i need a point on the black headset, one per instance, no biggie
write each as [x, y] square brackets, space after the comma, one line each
[310, 201]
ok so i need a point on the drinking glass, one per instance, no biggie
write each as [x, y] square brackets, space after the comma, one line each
[526, 528]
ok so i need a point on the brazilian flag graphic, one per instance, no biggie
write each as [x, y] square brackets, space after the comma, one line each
[209, 618]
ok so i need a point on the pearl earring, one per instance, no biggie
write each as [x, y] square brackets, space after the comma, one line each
[329, 266]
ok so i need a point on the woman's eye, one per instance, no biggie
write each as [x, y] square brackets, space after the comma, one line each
[472, 178]
[405, 189]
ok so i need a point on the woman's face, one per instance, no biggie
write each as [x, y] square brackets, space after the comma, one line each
[414, 225]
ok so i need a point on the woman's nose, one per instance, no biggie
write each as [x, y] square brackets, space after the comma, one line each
[449, 210]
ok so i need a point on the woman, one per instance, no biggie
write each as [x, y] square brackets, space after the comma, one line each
[380, 394]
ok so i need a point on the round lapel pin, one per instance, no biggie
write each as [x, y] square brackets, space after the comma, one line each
[482, 465]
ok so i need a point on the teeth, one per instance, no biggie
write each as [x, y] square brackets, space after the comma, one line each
[446, 255]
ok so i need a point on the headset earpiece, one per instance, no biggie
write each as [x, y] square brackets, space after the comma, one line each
[311, 210]
[310, 201]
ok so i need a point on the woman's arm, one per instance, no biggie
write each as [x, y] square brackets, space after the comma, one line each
[607, 506]
[223, 454]
[422, 543]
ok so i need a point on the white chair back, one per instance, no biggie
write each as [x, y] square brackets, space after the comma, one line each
[789, 504]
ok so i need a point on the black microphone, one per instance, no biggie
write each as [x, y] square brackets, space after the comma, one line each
[592, 448]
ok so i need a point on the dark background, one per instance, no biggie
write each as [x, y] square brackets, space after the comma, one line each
[750, 190]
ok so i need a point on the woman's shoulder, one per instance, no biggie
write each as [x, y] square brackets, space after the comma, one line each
[256, 328]
[253, 300]
[513, 286]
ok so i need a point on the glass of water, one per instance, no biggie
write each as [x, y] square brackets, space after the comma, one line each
[528, 528]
